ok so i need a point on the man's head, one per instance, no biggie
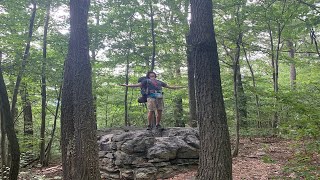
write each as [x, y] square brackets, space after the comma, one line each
[151, 75]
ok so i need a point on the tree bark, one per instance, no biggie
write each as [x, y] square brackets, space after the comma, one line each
[94, 60]
[78, 125]
[44, 86]
[3, 140]
[178, 110]
[191, 88]
[3, 132]
[236, 93]
[293, 72]
[215, 152]
[14, 149]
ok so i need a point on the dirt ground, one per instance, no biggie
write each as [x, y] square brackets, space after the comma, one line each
[250, 163]
[259, 158]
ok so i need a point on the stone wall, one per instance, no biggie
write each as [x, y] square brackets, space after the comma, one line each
[141, 154]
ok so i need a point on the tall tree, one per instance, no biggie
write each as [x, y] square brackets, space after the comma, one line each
[152, 25]
[3, 132]
[190, 63]
[44, 85]
[78, 125]
[215, 152]
[24, 58]
[9, 128]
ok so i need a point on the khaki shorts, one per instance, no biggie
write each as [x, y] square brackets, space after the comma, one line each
[155, 104]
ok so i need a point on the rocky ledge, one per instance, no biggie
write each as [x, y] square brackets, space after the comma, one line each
[141, 154]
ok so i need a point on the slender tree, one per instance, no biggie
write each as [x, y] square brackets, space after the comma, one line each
[191, 87]
[44, 85]
[215, 152]
[153, 59]
[293, 72]
[24, 58]
[78, 125]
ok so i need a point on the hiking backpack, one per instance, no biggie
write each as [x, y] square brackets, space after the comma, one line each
[143, 91]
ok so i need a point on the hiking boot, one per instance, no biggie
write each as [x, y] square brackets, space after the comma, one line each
[149, 127]
[158, 126]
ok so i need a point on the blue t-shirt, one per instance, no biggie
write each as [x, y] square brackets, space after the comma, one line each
[153, 85]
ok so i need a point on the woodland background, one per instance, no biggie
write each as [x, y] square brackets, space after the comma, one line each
[268, 52]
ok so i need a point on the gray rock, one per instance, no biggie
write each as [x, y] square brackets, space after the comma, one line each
[126, 174]
[102, 154]
[164, 148]
[137, 145]
[145, 173]
[140, 154]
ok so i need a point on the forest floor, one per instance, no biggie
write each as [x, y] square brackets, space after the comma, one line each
[259, 158]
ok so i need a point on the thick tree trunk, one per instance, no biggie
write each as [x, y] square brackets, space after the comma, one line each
[78, 124]
[94, 60]
[3, 133]
[215, 152]
[14, 149]
[3, 141]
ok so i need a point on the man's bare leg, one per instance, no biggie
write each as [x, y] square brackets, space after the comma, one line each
[159, 116]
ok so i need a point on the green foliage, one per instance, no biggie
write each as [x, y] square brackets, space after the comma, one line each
[267, 159]
[303, 166]
[120, 32]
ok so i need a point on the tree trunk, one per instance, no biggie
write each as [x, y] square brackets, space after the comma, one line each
[93, 61]
[191, 87]
[24, 59]
[153, 59]
[293, 73]
[254, 86]
[236, 88]
[178, 110]
[106, 116]
[48, 149]
[3, 140]
[78, 124]
[215, 152]
[3, 132]
[314, 39]
[126, 92]
[14, 149]
[44, 86]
